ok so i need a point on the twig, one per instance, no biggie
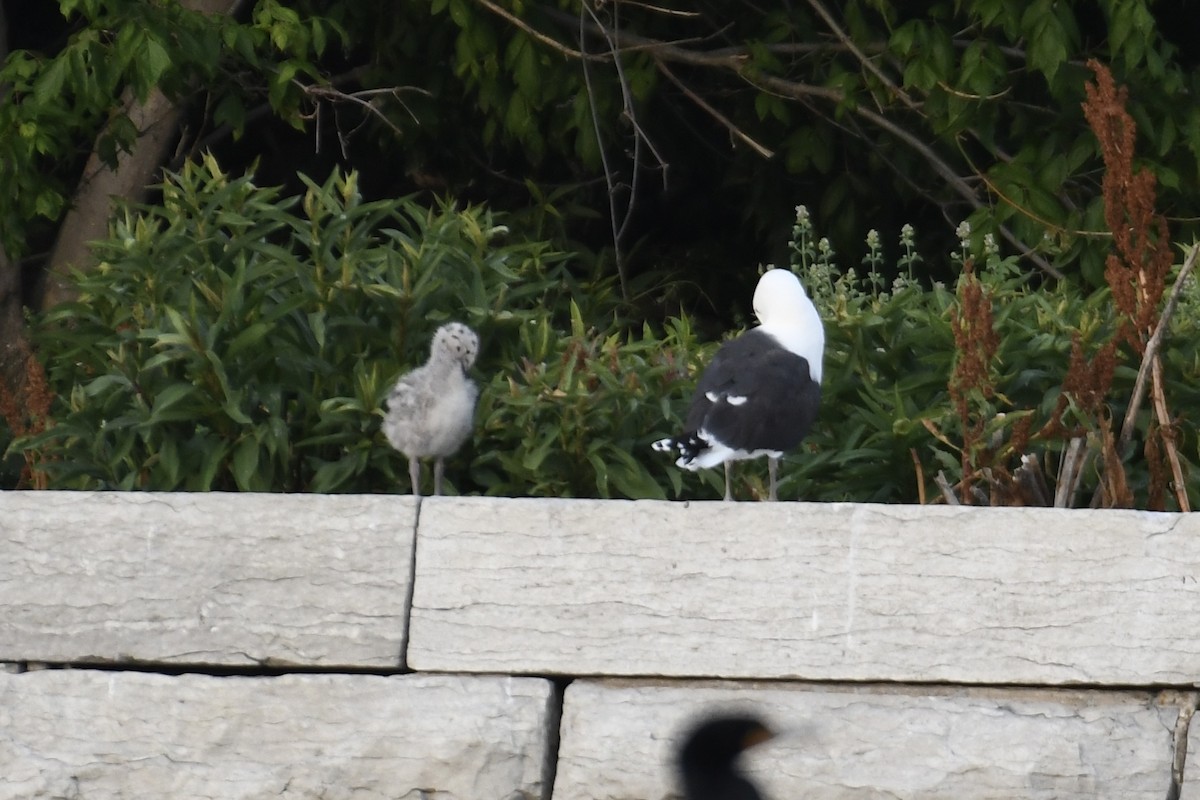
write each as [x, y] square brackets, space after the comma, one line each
[870, 65]
[1139, 386]
[947, 490]
[717, 115]
[1028, 252]
[537, 35]
[948, 89]
[327, 91]
[1069, 473]
[1030, 481]
[640, 136]
[912, 451]
[668, 12]
[618, 228]
[338, 96]
[1039, 219]
[1165, 426]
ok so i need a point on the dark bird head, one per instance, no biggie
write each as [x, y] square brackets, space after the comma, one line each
[706, 759]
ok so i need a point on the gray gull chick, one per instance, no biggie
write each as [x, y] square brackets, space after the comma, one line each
[760, 394]
[430, 410]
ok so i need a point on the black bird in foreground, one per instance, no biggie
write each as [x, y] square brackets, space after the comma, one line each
[706, 759]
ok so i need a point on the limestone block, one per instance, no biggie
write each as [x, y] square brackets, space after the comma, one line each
[1191, 765]
[619, 739]
[110, 735]
[804, 590]
[205, 578]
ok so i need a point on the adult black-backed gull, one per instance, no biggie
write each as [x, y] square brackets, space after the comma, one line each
[431, 409]
[706, 759]
[760, 394]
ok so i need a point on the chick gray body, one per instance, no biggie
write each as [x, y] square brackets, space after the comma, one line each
[430, 411]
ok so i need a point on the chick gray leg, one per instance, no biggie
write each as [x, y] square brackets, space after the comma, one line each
[414, 475]
[439, 467]
[773, 470]
[728, 483]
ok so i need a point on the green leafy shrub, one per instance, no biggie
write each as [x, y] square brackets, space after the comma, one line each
[234, 339]
[889, 420]
[227, 342]
[231, 341]
[576, 416]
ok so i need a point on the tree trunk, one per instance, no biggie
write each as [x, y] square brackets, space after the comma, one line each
[156, 121]
[24, 397]
[14, 345]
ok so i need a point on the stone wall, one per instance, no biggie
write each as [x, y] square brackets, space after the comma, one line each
[301, 646]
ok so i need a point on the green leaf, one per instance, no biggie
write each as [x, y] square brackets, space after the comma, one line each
[156, 59]
[105, 382]
[169, 464]
[202, 480]
[1048, 37]
[166, 404]
[332, 476]
[905, 37]
[230, 111]
[49, 87]
[245, 465]
[250, 337]
[458, 13]
[318, 37]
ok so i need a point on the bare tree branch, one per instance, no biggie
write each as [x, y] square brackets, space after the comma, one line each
[537, 35]
[1166, 426]
[630, 113]
[944, 170]
[947, 490]
[666, 12]
[736, 60]
[365, 99]
[762, 150]
[609, 178]
[1070, 472]
[867, 63]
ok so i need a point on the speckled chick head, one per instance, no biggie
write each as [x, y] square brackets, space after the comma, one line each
[455, 342]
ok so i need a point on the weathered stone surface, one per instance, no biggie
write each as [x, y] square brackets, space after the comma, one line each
[102, 735]
[619, 740]
[799, 590]
[1191, 764]
[205, 578]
